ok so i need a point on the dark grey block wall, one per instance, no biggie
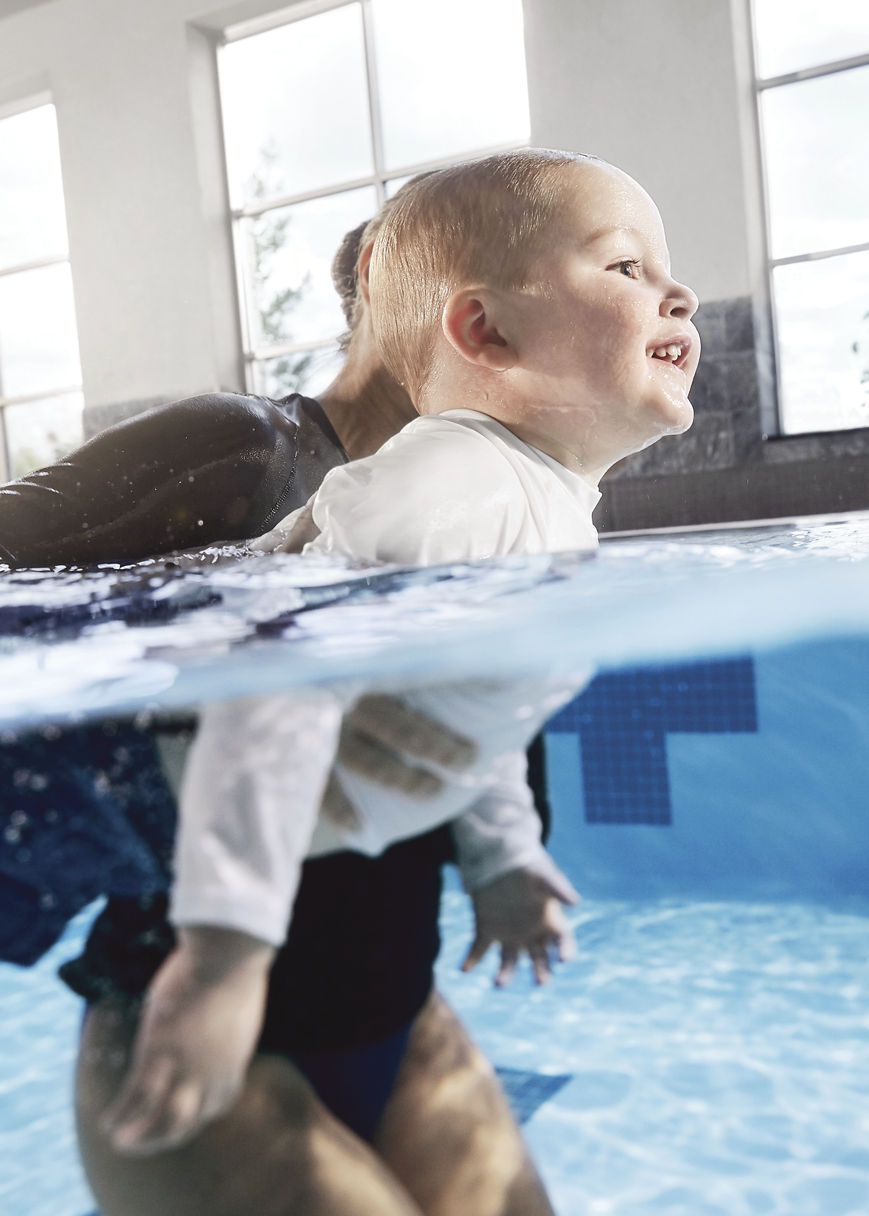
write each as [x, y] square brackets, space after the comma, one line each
[725, 468]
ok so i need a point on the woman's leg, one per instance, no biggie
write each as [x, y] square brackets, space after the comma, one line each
[447, 1131]
[277, 1153]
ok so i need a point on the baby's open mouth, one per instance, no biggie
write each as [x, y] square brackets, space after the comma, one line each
[674, 353]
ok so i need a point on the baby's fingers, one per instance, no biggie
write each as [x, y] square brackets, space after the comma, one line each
[539, 956]
[509, 960]
[565, 944]
[479, 947]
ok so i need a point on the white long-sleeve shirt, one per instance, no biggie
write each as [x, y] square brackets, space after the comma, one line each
[457, 486]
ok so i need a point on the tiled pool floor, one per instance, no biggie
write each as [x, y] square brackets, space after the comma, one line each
[695, 1060]
[717, 1056]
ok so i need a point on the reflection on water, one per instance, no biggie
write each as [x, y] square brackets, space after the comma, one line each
[167, 637]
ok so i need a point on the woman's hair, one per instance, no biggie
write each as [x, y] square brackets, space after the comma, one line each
[344, 274]
[482, 222]
[345, 264]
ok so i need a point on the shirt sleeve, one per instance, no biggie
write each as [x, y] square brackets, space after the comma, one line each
[427, 497]
[501, 831]
[249, 802]
[218, 467]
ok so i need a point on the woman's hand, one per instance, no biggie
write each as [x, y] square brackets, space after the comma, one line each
[377, 736]
[198, 1029]
[523, 912]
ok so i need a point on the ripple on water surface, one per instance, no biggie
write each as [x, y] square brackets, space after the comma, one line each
[718, 1055]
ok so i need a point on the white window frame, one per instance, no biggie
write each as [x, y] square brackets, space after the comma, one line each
[379, 179]
[761, 85]
[12, 110]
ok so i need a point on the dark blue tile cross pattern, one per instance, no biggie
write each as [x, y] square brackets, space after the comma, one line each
[623, 719]
[527, 1091]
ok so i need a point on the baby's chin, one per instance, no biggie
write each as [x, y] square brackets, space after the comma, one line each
[675, 423]
[678, 418]
[684, 422]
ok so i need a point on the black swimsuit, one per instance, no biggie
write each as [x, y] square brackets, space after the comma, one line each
[358, 962]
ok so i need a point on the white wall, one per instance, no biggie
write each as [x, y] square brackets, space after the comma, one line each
[650, 85]
[656, 87]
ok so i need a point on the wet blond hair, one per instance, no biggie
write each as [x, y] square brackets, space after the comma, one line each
[345, 264]
[479, 223]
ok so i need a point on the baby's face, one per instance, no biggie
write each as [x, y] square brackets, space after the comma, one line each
[605, 335]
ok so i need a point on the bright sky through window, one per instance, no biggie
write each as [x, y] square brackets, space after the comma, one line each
[321, 116]
[813, 129]
[40, 373]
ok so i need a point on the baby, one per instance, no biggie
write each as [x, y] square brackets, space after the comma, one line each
[525, 301]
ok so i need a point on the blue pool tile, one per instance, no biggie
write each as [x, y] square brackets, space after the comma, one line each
[622, 721]
[527, 1091]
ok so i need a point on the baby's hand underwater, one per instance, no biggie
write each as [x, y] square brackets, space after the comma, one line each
[523, 912]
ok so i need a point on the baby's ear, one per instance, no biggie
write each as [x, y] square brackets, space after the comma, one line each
[472, 325]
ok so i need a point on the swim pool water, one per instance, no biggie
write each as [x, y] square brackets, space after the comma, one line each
[715, 1048]
[717, 1056]
[39, 1018]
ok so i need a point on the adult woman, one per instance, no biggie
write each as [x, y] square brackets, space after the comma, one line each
[444, 1141]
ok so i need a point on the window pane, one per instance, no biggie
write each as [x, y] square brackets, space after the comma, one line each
[42, 431]
[307, 372]
[289, 254]
[295, 107]
[452, 77]
[32, 219]
[794, 34]
[817, 163]
[823, 337]
[38, 342]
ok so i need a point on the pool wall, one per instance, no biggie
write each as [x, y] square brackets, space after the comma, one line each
[745, 777]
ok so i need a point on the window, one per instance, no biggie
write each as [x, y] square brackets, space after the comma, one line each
[324, 116]
[812, 67]
[40, 376]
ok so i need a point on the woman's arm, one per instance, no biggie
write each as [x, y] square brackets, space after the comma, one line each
[218, 467]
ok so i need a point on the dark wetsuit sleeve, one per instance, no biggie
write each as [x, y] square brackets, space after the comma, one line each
[219, 467]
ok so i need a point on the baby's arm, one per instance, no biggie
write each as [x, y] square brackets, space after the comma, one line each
[249, 801]
[516, 888]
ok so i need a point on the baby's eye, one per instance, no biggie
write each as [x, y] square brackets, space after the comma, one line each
[629, 267]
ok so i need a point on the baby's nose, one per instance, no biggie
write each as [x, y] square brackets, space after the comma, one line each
[680, 301]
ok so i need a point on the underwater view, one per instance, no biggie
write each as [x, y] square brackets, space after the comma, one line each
[705, 1052]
